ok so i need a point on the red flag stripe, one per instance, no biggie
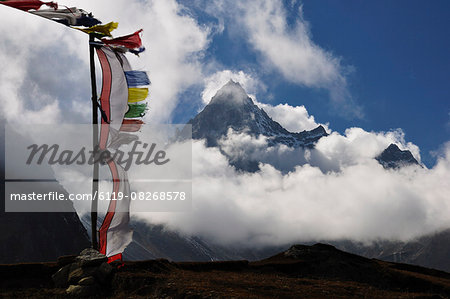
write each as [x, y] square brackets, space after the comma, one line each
[131, 125]
[103, 232]
[131, 41]
[27, 5]
[105, 96]
[116, 257]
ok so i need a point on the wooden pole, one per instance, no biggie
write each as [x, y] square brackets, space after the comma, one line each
[94, 203]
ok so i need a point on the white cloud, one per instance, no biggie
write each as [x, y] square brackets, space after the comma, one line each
[174, 42]
[290, 50]
[23, 101]
[293, 53]
[362, 202]
[292, 118]
[331, 154]
[358, 146]
[241, 147]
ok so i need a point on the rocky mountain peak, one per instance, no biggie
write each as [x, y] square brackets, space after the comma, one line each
[394, 157]
[231, 107]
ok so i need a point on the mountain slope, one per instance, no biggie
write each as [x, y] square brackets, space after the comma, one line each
[428, 251]
[38, 237]
[393, 157]
[231, 107]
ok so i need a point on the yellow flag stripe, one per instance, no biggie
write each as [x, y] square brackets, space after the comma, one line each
[137, 94]
[103, 29]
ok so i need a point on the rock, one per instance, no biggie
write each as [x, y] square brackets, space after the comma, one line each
[87, 281]
[393, 158]
[60, 278]
[105, 269]
[104, 272]
[81, 272]
[89, 269]
[91, 257]
[82, 291]
[66, 260]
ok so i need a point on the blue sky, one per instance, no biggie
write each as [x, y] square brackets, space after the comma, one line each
[400, 52]
[395, 56]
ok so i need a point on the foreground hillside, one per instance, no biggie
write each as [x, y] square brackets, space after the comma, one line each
[318, 271]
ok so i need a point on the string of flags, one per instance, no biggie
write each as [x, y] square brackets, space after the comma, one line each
[122, 104]
[81, 20]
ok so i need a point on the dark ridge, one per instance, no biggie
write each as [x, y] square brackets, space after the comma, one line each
[392, 157]
[37, 237]
[318, 271]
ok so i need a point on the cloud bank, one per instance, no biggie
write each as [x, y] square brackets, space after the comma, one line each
[331, 153]
[292, 118]
[360, 201]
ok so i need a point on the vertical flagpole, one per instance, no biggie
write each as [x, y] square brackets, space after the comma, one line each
[94, 202]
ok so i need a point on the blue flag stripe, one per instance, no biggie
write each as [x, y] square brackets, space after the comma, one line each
[137, 78]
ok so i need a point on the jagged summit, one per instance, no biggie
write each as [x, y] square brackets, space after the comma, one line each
[394, 157]
[232, 93]
[231, 107]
